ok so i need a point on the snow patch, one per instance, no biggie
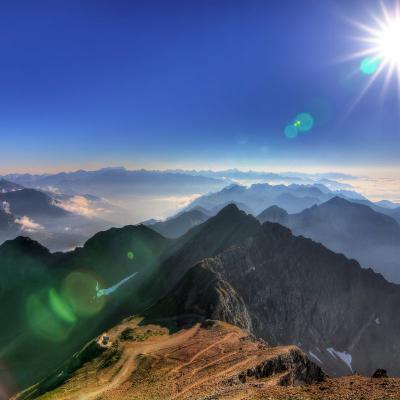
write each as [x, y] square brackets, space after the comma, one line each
[342, 355]
[6, 207]
[314, 356]
[377, 321]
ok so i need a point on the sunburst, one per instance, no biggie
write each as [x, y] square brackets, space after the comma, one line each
[381, 41]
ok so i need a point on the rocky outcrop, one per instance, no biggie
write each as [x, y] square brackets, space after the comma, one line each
[297, 369]
[380, 373]
[204, 293]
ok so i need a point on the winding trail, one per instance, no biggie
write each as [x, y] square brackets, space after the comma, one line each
[129, 363]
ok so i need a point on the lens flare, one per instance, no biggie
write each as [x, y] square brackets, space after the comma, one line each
[43, 321]
[61, 307]
[305, 122]
[79, 289]
[291, 131]
[369, 65]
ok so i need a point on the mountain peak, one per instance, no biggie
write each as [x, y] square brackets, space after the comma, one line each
[24, 244]
[273, 214]
[230, 210]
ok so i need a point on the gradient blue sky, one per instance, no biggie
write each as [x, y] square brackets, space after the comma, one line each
[168, 84]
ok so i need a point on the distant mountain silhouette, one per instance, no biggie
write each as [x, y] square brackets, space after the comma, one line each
[258, 197]
[7, 186]
[32, 203]
[396, 214]
[119, 181]
[350, 228]
[180, 224]
[274, 214]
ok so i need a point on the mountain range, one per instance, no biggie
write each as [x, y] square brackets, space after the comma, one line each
[260, 277]
[356, 230]
[118, 180]
[257, 197]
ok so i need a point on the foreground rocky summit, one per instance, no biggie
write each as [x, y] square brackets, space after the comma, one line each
[162, 360]
[184, 358]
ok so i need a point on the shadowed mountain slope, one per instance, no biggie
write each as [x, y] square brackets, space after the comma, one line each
[288, 289]
[32, 203]
[177, 226]
[7, 186]
[353, 229]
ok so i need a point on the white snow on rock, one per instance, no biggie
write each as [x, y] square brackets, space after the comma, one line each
[377, 321]
[342, 355]
[314, 356]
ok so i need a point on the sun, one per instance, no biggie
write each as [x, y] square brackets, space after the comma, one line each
[381, 42]
[384, 39]
[389, 41]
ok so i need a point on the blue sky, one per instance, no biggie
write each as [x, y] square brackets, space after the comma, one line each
[168, 84]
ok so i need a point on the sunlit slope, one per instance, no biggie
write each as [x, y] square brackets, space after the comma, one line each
[153, 361]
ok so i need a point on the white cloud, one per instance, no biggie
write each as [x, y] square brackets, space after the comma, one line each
[180, 201]
[79, 205]
[28, 225]
[52, 189]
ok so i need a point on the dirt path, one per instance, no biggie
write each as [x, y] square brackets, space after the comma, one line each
[129, 363]
[180, 367]
[206, 379]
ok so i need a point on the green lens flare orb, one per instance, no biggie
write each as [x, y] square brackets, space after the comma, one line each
[43, 321]
[61, 307]
[305, 122]
[369, 65]
[291, 132]
[79, 290]
[130, 255]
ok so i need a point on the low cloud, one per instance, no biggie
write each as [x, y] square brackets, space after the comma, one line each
[180, 201]
[80, 205]
[52, 189]
[28, 225]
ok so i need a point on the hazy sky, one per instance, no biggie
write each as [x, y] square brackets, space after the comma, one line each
[189, 84]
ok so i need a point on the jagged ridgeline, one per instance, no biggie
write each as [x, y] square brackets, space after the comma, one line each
[283, 289]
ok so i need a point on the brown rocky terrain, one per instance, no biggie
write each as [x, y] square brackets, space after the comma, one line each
[202, 360]
[211, 359]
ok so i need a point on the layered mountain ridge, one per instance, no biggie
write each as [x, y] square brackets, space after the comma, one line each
[353, 229]
[282, 288]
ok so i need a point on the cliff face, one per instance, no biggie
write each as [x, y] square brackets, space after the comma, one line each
[203, 292]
